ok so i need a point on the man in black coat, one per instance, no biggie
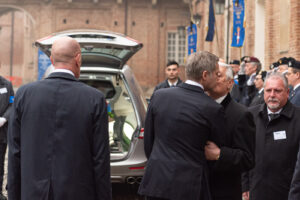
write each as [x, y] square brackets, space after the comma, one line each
[6, 100]
[259, 84]
[238, 154]
[178, 124]
[58, 135]
[277, 142]
[172, 71]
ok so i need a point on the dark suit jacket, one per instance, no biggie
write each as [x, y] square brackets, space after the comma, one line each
[6, 100]
[238, 154]
[165, 84]
[295, 98]
[179, 121]
[258, 99]
[275, 157]
[58, 142]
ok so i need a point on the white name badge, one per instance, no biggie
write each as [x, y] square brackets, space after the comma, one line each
[3, 90]
[279, 135]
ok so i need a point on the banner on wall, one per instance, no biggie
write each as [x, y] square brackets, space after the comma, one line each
[43, 64]
[211, 22]
[238, 32]
[192, 38]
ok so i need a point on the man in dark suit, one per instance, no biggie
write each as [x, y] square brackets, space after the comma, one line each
[178, 124]
[58, 135]
[238, 154]
[293, 76]
[172, 71]
[259, 84]
[277, 142]
[6, 100]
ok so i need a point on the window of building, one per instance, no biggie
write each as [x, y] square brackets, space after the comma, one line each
[176, 46]
[219, 7]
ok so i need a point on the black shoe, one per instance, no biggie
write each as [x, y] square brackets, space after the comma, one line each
[2, 197]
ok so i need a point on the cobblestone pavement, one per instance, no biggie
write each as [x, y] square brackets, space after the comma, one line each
[120, 191]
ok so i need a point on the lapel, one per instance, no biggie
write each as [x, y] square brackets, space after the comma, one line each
[191, 87]
[226, 101]
[62, 75]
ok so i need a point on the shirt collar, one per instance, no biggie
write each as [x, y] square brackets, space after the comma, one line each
[175, 83]
[64, 71]
[260, 91]
[296, 86]
[194, 83]
[270, 112]
[219, 100]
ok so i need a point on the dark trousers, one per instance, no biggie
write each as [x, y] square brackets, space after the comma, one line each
[2, 160]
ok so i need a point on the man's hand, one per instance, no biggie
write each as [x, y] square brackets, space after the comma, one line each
[245, 195]
[2, 121]
[212, 151]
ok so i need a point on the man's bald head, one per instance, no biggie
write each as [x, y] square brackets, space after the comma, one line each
[66, 54]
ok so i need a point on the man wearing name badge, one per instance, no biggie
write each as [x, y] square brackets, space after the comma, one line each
[277, 143]
[6, 100]
[172, 71]
[293, 76]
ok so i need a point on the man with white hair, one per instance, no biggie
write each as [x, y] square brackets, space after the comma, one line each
[277, 142]
[237, 155]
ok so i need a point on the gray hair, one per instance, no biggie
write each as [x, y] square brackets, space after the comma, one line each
[229, 71]
[258, 66]
[277, 75]
[199, 62]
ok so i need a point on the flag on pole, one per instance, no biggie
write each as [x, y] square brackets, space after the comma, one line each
[211, 22]
[238, 33]
[192, 38]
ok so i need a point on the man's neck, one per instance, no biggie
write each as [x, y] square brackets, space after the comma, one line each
[173, 80]
[296, 85]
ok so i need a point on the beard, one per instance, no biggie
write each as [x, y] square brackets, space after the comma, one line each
[273, 103]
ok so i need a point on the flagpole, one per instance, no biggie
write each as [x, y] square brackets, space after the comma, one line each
[216, 29]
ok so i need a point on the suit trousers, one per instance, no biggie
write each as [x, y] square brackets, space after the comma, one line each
[2, 160]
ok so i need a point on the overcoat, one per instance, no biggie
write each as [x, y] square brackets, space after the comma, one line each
[277, 145]
[178, 124]
[238, 154]
[165, 84]
[6, 100]
[295, 97]
[58, 142]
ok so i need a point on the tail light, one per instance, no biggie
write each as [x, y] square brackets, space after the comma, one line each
[141, 135]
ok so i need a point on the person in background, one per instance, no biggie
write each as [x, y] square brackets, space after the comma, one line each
[172, 73]
[293, 76]
[6, 100]
[259, 84]
[235, 92]
[247, 87]
[237, 155]
[58, 135]
[277, 143]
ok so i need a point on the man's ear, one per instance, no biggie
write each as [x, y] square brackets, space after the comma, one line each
[205, 74]
[52, 62]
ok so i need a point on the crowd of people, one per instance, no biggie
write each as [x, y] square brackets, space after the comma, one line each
[229, 132]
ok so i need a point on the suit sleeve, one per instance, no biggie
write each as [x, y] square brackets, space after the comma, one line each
[149, 129]
[101, 152]
[240, 156]
[294, 193]
[11, 99]
[14, 168]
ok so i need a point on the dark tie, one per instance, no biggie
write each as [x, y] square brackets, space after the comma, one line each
[273, 116]
[292, 93]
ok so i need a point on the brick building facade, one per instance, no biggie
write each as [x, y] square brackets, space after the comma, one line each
[152, 22]
[272, 29]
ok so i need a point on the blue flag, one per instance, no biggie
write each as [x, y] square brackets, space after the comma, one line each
[192, 38]
[43, 63]
[211, 22]
[238, 33]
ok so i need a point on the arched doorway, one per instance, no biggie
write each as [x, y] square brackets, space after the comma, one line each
[17, 57]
